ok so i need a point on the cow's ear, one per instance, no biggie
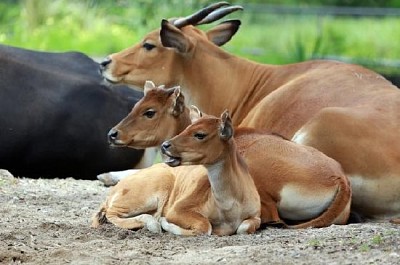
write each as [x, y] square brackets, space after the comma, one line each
[178, 102]
[172, 37]
[223, 32]
[225, 129]
[148, 85]
[195, 113]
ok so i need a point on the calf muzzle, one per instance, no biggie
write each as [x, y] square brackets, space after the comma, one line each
[112, 136]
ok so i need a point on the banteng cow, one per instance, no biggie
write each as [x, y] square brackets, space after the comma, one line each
[56, 112]
[350, 113]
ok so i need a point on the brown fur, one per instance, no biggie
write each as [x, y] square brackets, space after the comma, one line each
[348, 112]
[232, 204]
[273, 163]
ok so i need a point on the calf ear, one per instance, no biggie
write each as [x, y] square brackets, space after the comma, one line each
[223, 32]
[172, 37]
[225, 129]
[178, 102]
[195, 113]
[148, 85]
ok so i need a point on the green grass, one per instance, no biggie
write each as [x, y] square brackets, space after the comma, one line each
[102, 29]
[290, 39]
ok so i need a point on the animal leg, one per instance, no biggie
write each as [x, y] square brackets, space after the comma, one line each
[100, 217]
[395, 221]
[113, 177]
[249, 226]
[269, 212]
[187, 224]
[136, 222]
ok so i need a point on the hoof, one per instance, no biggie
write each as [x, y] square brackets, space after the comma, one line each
[107, 179]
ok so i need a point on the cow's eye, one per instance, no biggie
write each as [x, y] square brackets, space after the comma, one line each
[148, 46]
[200, 136]
[149, 113]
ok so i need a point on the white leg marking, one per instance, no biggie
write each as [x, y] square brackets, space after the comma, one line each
[170, 227]
[245, 225]
[113, 177]
[243, 228]
[151, 223]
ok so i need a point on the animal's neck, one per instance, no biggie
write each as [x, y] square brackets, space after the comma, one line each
[228, 178]
[215, 83]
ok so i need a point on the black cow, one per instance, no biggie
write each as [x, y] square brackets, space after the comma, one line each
[55, 115]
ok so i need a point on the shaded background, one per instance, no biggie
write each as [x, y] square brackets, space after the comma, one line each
[277, 32]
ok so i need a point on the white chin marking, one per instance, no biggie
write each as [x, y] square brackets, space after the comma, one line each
[173, 161]
[111, 78]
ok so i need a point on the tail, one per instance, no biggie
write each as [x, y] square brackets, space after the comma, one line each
[100, 217]
[337, 213]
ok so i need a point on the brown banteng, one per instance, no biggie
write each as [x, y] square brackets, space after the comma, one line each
[273, 162]
[191, 205]
[139, 199]
[159, 116]
[348, 112]
[232, 204]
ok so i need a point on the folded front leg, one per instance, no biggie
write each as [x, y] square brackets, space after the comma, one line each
[249, 226]
[136, 222]
[186, 224]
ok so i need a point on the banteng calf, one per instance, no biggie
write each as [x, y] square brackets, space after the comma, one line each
[295, 182]
[232, 204]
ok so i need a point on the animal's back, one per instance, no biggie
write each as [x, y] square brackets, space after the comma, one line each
[273, 156]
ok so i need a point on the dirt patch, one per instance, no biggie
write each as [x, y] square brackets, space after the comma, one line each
[46, 221]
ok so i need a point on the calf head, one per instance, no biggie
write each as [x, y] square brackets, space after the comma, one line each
[152, 120]
[204, 142]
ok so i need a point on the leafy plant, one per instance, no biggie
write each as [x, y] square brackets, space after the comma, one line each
[102, 27]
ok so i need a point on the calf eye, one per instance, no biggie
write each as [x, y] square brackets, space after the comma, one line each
[149, 113]
[148, 46]
[200, 136]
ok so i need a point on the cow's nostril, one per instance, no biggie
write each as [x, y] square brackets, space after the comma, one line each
[112, 135]
[105, 62]
[165, 145]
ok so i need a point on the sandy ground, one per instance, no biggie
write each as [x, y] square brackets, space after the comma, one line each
[47, 222]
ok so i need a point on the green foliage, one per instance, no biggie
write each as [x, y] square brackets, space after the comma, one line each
[315, 243]
[101, 27]
[365, 3]
[377, 240]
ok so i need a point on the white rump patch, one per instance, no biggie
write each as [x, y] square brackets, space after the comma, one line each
[296, 204]
[380, 196]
